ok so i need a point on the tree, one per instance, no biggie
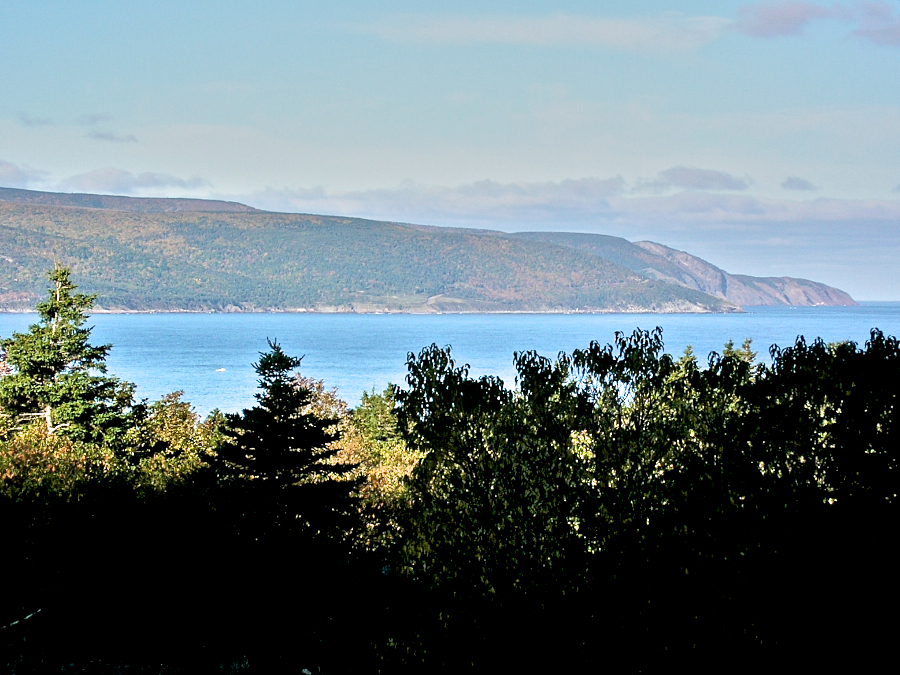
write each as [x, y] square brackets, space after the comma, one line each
[495, 498]
[168, 444]
[277, 453]
[58, 376]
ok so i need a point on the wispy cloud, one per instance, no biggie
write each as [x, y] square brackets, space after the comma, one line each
[27, 120]
[478, 203]
[797, 183]
[12, 175]
[717, 209]
[774, 19]
[573, 203]
[119, 181]
[692, 178]
[880, 23]
[91, 119]
[111, 137]
[669, 32]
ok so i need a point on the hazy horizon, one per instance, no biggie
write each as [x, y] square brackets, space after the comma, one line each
[762, 137]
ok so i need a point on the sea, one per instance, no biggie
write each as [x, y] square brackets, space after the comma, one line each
[210, 357]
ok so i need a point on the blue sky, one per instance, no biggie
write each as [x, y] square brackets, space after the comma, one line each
[763, 137]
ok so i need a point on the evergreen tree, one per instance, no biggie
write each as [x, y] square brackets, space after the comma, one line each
[281, 451]
[58, 376]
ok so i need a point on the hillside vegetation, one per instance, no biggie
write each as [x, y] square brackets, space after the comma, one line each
[200, 255]
[619, 505]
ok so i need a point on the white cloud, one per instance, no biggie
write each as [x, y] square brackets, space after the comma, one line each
[669, 32]
[716, 209]
[119, 181]
[568, 204]
[476, 203]
[15, 176]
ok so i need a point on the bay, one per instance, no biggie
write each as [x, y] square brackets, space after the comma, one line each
[210, 356]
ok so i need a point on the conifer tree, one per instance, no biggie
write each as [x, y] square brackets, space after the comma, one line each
[58, 376]
[280, 450]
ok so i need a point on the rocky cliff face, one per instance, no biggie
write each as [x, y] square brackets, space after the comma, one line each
[670, 266]
[690, 271]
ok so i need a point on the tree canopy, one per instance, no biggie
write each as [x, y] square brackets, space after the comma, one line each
[618, 503]
[58, 375]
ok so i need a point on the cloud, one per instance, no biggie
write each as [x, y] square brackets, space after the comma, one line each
[111, 137]
[12, 175]
[669, 32]
[774, 19]
[478, 203]
[878, 21]
[796, 183]
[588, 202]
[27, 120]
[717, 209]
[119, 181]
[880, 24]
[92, 119]
[691, 178]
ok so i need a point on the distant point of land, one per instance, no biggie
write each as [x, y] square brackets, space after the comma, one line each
[197, 255]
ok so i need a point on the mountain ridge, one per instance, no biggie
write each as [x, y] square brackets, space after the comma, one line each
[142, 254]
[123, 203]
[669, 265]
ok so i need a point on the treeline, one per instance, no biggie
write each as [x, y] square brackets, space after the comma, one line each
[618, 509]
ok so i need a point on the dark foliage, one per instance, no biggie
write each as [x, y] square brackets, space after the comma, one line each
[279, 452]
[619, 508]
[623, 499]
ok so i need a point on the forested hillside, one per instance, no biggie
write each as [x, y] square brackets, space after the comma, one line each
[201, 255]
[268, 261]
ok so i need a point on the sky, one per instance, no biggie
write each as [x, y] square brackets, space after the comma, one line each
[763, 137]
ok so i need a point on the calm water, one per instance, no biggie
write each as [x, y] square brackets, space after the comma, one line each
[209, 356]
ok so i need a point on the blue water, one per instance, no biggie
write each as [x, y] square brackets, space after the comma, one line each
[209, 356]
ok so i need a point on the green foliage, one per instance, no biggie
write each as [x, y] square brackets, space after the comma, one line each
[494, 503]
[372, 443]
[168, 444]
[59, 376]
[617, 499]
[258, 261]
[37, 466]
[669, 495]
[279, 452]
[378, 447]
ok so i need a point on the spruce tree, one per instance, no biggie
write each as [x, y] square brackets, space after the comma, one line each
[277, 454]
[58, 376]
